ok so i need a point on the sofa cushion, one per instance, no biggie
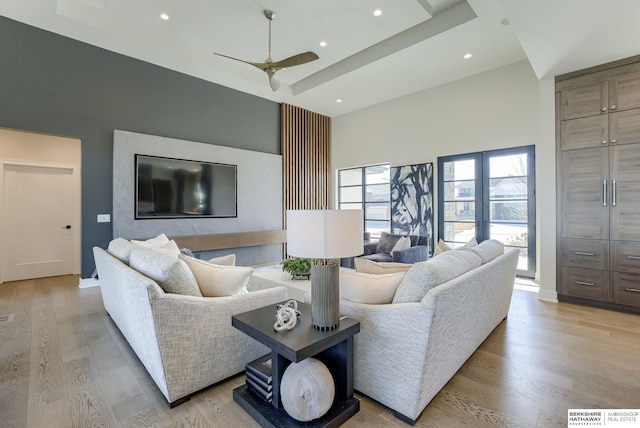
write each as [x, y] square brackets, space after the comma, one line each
[228, 260]
[402, 244]
[218, 280]
[424, 276]
[368, 288]
[121, 249]
[172, 274]
[369, 266]
[488, 250]
[378, 257]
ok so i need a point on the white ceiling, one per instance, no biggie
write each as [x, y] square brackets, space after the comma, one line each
[412, 46]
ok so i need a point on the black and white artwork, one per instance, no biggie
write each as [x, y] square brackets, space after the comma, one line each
[412, 200]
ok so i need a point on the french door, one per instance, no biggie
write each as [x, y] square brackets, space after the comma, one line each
[490, 195]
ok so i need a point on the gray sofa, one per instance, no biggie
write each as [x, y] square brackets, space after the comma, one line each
[442, 310]
[185, 342]
[381, 251]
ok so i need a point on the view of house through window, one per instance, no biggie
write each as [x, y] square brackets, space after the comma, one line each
[367, 188]
[489, 195]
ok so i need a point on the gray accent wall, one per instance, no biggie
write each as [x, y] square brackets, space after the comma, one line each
[259, 193]
[57, 85]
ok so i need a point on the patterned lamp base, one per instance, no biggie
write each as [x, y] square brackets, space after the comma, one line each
[325, 294]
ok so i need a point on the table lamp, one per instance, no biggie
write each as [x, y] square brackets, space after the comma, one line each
[324, 236]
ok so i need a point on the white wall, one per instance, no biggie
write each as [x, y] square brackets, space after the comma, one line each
[505, 107]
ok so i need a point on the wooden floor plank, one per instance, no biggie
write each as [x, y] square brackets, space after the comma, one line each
[63, 362]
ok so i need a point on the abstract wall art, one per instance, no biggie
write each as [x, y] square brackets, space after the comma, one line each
[412, 200]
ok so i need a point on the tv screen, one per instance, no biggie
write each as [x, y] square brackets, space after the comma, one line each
[180, 188]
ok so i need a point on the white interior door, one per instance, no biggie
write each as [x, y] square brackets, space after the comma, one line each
[39, 212]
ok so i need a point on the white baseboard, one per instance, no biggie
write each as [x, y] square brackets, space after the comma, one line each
[548, 295]
[89, 282]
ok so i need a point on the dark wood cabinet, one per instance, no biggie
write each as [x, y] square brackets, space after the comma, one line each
[598, 139]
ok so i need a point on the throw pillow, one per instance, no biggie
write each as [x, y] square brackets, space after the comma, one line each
[441, 247]
[387, 242]
[158, 241]
[228, 260]
[488, 250]
[403, 243]
[171, 274]
[424, 276]
[121, 249]
[368, 288]
[370, 266]
[217, 280]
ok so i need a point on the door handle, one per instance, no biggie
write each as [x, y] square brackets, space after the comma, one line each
[613, 193]
[604, 193]
[66, 227]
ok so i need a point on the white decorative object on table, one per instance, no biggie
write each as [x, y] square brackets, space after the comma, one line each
[307, 390]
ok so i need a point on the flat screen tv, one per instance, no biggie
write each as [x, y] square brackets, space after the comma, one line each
[180, 188]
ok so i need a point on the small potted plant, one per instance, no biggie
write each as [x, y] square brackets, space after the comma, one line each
[297, 267]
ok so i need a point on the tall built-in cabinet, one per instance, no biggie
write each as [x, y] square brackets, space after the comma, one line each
[598, 152]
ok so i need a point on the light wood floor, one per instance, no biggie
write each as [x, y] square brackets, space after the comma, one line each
[63, 363]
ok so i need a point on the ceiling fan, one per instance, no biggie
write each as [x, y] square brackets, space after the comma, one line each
[270, 66]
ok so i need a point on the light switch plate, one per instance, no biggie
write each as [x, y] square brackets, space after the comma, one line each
[104, 218]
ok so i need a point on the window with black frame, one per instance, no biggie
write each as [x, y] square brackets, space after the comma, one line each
[367, 188]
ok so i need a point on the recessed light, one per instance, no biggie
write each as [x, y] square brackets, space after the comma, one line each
[377, 12]
[467, 56]
[338, 100]
[164, 16]
[323, 43]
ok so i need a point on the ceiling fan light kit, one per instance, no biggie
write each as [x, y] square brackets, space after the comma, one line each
[269, 66]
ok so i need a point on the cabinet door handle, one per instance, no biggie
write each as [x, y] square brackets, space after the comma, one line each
[613, 107]
[613, 141]
[613, 193]
[603, 109]
[588, 284]
[604, 193]
[580, 253]
[633, 257]
[634, 290]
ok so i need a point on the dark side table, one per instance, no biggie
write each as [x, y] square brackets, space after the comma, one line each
[334, 348]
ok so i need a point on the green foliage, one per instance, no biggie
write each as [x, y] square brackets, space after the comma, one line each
[296, 265]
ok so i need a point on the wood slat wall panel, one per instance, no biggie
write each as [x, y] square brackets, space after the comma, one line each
[305, 157]
[306, 140]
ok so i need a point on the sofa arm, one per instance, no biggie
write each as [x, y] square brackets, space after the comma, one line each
[411, 255]
[370, 248]
[390, 350]
[198, 344]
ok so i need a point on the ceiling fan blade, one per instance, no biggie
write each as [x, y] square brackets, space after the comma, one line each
[292, 61]
[261, 65]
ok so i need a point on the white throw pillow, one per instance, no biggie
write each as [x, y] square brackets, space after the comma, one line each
[369, 288]
[424, 276]
[488, 250]
[402, 244]
[158, 241]
[442, 247]
[228, 260]
[370, 266]
[217, 280]
[121, 249]
[171, 274]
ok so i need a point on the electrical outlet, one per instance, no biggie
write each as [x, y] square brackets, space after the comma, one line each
[104, 218]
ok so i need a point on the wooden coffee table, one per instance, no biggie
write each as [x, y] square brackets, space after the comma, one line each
[334, 348]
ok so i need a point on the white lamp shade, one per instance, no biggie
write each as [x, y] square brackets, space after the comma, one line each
[324, 234]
